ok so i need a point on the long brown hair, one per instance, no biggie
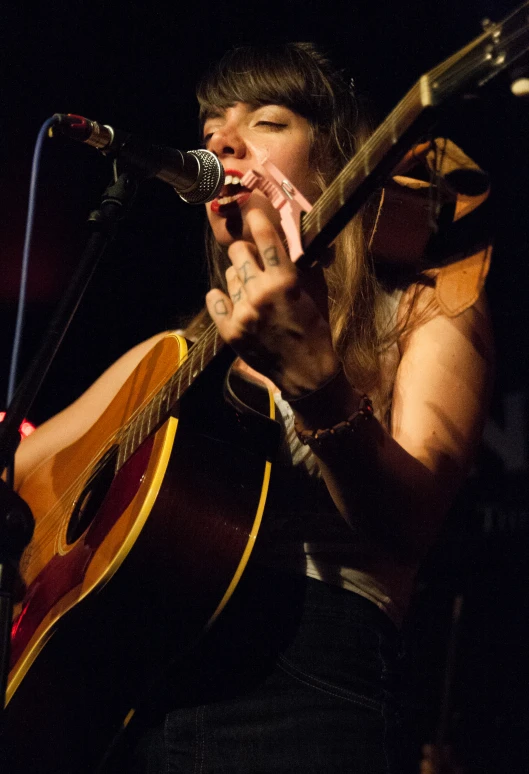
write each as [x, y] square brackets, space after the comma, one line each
[300, 77]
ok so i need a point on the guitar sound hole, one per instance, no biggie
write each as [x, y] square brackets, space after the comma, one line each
[90, 499]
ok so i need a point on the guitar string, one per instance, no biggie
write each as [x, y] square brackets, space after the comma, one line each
[450, 81]
[507, 39]
[517, 19]
[450, 63]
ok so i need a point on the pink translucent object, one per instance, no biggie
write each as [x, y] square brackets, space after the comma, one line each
[286, 198]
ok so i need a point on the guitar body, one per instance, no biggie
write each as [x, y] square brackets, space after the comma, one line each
[126, 569]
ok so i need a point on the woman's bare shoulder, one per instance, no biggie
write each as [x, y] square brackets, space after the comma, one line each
[443, 385]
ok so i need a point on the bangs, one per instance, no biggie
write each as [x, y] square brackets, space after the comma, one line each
[281, 75]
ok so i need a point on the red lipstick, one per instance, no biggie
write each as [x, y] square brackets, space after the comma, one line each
[232, 195]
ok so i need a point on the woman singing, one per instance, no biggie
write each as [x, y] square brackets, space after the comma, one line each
[382, 399]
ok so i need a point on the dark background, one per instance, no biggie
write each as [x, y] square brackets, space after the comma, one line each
[135, 66]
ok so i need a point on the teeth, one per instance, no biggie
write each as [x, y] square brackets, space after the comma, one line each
[227, 200]
[232, 180]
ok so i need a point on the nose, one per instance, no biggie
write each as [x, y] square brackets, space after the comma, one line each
[226, 141]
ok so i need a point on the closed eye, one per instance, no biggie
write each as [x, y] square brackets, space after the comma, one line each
[272, 124]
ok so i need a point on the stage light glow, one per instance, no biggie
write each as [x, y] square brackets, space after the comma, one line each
[25, 429]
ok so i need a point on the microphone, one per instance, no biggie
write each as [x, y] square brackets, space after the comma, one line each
[197, 176]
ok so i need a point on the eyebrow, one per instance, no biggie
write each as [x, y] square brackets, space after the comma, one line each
[219, 113]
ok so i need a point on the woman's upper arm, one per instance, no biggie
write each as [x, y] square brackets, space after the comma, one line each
[442, 390]
[70, 424]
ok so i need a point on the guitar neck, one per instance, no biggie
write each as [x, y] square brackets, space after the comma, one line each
[156, 412]
[470, 68]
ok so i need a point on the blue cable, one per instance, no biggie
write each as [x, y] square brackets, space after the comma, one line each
[25, 257]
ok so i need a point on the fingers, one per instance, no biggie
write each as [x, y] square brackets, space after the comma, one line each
[246, 264]
[219, 306]
[263, 268]
[261, 276]
[269, 252]
[234, 315]
[235, 287]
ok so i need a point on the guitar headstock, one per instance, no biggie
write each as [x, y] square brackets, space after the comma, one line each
[498, 47]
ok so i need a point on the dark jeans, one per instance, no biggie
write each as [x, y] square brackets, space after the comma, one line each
[297, 676]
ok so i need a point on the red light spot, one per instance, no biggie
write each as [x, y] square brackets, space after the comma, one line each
[25, 429]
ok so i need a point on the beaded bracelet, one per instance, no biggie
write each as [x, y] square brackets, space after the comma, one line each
[315, 439]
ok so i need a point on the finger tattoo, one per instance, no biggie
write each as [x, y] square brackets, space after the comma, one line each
[245, 269]
[270, 256]
[236, 296]
[220, 307]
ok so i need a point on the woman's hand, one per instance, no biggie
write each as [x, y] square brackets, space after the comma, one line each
[274, 317]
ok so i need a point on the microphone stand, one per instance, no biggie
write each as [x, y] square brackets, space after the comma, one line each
[16, 520]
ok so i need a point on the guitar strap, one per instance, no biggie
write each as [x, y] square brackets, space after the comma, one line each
[252, 401]
[435, 214]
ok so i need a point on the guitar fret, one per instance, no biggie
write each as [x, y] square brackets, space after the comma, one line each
[129, 446]
[367, 168]
[189, 367]
[133, 444]
[170, 392]
[151, 406]
[136, 437]
[342, 192]
[123, 449]
[143, 434]
[145, 423]
[121, 456]
[158, 409]
[153, 421]
[179, 388]
[425, 91]
[169, 396]
[138, 434]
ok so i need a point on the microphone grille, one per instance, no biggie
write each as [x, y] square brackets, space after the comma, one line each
[210, 178]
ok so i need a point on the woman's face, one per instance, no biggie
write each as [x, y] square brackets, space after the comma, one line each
[243, 136]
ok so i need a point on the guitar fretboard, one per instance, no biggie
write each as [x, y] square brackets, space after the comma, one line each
[158, 409]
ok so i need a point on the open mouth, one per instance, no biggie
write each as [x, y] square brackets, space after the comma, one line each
[233, 194]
